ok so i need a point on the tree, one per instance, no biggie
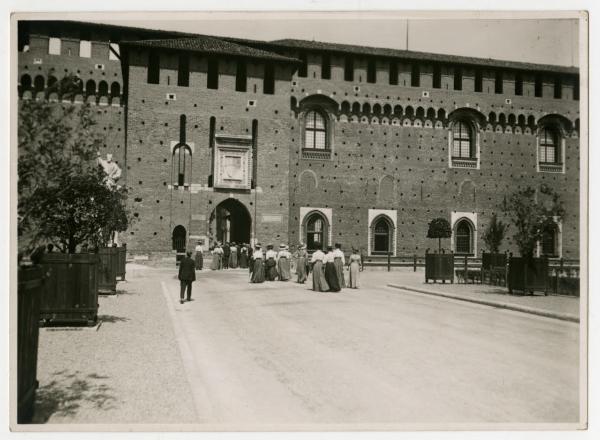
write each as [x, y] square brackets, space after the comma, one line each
[494, 234]
[532, 212]
[62, 196]
[439, 228]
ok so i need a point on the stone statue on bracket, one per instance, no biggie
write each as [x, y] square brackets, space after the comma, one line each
[112, 170]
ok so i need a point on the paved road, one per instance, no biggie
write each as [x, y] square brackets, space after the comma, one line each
[279, 353]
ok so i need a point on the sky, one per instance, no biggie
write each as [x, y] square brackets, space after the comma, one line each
[545, 41]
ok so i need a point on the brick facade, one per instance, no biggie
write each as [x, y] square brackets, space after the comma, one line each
[389, 144]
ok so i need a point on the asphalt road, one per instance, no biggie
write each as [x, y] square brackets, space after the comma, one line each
[279, 353]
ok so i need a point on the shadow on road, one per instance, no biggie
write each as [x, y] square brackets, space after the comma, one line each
[112, 319]
[65, 395]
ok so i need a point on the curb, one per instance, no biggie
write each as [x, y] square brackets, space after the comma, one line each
[500, 305]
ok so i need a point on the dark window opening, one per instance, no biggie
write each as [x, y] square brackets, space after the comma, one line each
[549, 241]
[539, 86]
[463, 238]
[269, 80]
[382, 237]
[253, 182]
[183, 72]
[478, 81]
[519, 84]
[212, 79]
[437, 77]
[393, 73]
[498, 83]
[458, 78]
[415, 76]
[303, 69]
[576, 88]
[211, 148]
[558, 87]
[325, 66]
[349, 69]
[241, 78]
[316, 232]
[549, 146]
[179, 238]
[153, 68]
[371, 71]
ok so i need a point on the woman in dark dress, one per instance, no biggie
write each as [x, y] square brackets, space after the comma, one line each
[258, 268]
[331, 274]
[270, 264]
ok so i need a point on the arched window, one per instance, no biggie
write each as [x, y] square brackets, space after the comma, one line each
[549, 243]
[115, 89]
[90, 87]
[315, 126]
[25, 83]
[178, 238]
[382, 235]
[39, 83]
[182, 157]
[103, 88]
[462, 140]
[463, 235]
[316, 231]
[549, 146]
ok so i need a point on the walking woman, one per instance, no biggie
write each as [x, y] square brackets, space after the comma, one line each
[301, 263]
[354, 266]
[330, 272]
[283, 263]
[214, 265]
[270, 264]
[318, 277]
[339, 261]
[258, 268]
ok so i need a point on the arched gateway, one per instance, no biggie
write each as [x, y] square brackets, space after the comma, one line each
[230, 221]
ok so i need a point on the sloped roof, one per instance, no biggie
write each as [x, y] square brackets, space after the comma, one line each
[206, 44]
[424, 56]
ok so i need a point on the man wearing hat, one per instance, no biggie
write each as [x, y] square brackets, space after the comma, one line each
[186, 276]
[283, 263]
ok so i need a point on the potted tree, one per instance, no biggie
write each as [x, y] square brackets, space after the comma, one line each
[493, 263]
[533, 211]
[64, 199]
[439, 266]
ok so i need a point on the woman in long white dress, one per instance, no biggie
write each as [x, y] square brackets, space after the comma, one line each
[354, 266]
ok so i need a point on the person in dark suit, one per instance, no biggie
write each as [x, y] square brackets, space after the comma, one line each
[226, 253]
[187, 275]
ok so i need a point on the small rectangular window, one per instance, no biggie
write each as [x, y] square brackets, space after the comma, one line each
[241, 79]
[393, 73]
[212, 78]
[415, 76]
[325, 66]
[183, 72]
[153, 68]
[437, 77]
[85, 49]
[349, 69]
[269, 80]
[519, 84]
[371, 71]
[114, 52]
[303, 70]
[498, 83]
[539, 86]
[558, 87]
[54, 46]
[457, 78]
[478, 81]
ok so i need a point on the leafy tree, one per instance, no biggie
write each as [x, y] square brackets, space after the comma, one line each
[494, 233]
[532, 212]
[62, 196]
[439, 228]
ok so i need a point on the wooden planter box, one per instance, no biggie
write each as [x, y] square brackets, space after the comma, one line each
[71, 290]
[439, 267]
[527, 274]
[122, 260]
[30, 286]
[108, 267]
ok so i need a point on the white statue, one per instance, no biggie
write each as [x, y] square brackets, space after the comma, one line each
[112, 170]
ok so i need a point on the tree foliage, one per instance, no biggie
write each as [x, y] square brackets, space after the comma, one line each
[439, 228]
[494, 233]
[62, 196]
[532, 212]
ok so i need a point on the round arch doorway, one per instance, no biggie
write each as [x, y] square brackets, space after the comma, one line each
[230, 222]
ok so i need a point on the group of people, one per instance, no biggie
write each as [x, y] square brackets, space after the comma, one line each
[327, 268]
[230, 256]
